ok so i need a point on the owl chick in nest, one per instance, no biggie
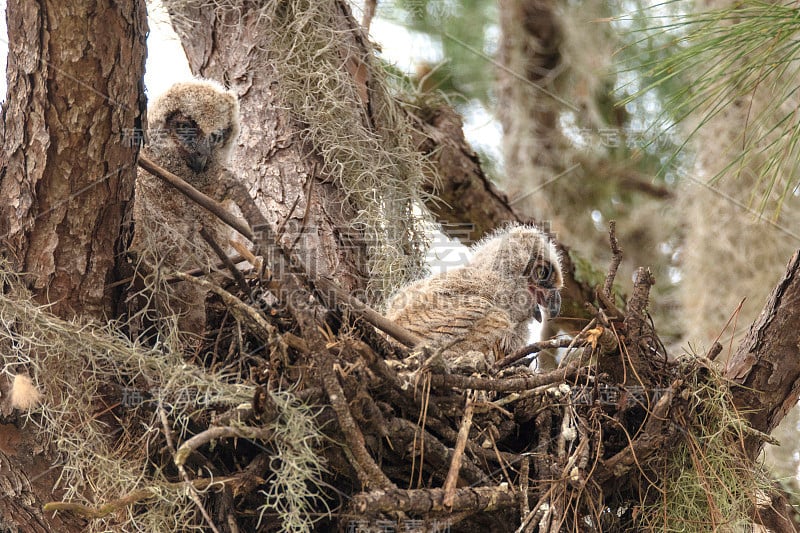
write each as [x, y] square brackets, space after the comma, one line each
[483, 308]
[191, 130]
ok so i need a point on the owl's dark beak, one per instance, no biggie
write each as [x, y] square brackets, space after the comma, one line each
[550, 299]
[198, 159]
[197, 162]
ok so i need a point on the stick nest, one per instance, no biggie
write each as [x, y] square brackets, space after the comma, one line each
[246, 427]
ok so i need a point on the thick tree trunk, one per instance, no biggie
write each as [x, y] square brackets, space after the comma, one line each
[767, 363]
[75, 101]
[766, 367]
[74, 104]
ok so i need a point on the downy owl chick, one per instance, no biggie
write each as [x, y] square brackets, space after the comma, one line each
[484, 307]
[191, 131]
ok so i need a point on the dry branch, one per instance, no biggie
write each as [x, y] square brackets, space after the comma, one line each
[560, 342]
[423, 501]
[458, 453]
[508, 384]
[226, 261]
[215, 433]
[616, 258]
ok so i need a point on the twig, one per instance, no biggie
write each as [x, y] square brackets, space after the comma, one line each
[500, 459]
[616, 258]
[425, 399]
[192, 491]
[458, 453]
[105, 509]
[423, 501]
[367, 313]
[637, 304]
[608, 303]
[282, 225]
[735, 319]
[714, 351]
[228, 506]
[505, 385]
[583, 438]
[524, 473]
[539, 516]
[635, 322]
[559, 342]
[216, 433]
[531, 521]
[235, 272]
[196, 196]
[307, 210]
[245, 255]
[242, 483]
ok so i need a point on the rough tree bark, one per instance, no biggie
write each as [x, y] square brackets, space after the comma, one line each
[67, 165]
[767, 363]
[75, 97]
[766, 366]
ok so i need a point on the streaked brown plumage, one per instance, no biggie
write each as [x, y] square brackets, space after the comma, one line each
[192, 128]
[485, 306]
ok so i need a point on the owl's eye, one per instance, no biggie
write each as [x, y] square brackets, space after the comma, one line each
[186, 130]
[542, 272]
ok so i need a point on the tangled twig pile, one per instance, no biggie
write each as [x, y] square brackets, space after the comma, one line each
[295, 420]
